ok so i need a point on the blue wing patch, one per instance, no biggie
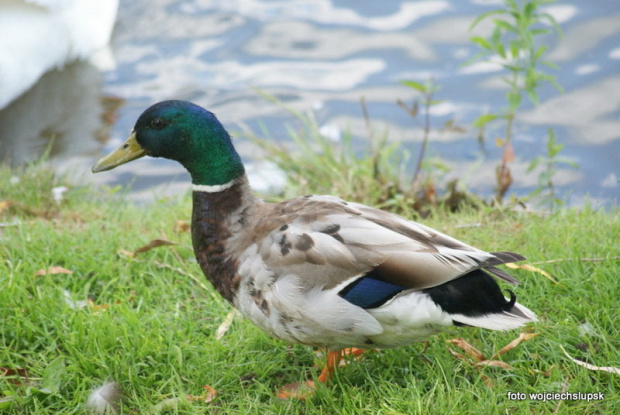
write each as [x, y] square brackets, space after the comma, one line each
[368, 292]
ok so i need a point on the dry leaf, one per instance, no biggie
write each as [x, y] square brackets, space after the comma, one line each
[522, 337]
[469, 350]
[551, 261]
[206, 397]
[503, 178]
[528, 267]
[545, 373]
[297, 390]
[609, 369]
[14, 376]
[458, 355]
[509, 153]
[487, 381]
[181, 226]
[223, 328]
[153, 244]
[4, 205]
[53, 270]
[126, 253]
[494, 363]
[97, 307]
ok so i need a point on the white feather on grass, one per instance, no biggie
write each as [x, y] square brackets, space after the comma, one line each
[105, 399]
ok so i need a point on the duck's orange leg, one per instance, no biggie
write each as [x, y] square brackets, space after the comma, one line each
[303, 390]
[333, 361]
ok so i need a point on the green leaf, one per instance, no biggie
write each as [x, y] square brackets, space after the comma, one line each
[7, 402]
[533, 96]
[514, 100]
[533, 164]
[484, 16]
[567, 161]
[52, 376]
[550, 64]
[529, 8]
[539, 52]
[551, 20]
[415, 85]
[515, 46]
[505, 25]
[537, 32]
[500, 50]
[482, 42]
[483, 120]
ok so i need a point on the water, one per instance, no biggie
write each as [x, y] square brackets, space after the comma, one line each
[324, 55]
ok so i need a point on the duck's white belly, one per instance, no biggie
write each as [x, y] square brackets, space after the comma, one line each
[406, 319]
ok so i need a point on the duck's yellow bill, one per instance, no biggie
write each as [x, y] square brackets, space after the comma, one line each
[129, 150]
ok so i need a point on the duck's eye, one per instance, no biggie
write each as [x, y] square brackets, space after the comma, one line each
[158, 123]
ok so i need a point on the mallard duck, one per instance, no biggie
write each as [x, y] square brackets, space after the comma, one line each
[319, 270]
[39, 35]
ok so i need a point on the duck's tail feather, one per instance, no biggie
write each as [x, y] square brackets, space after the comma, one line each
[504, 257]
[517, 316]
[475, 299]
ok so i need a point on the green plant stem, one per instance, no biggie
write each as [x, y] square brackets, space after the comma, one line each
[427, 129]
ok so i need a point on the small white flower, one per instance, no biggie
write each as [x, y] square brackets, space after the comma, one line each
[58, 192]
[331, 132]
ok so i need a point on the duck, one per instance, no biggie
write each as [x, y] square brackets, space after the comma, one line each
[318, 270]
[39, 35]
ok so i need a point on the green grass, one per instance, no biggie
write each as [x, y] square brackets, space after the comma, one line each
[151, 326]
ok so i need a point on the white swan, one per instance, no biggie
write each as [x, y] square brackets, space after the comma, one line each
[39, 35]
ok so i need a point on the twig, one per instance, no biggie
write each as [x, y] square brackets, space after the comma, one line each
[371, 138]
[564, 387]
[551, 261]
[428, 98]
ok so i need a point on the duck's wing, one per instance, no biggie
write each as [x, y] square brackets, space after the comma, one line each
[320, 249]
[444, 257]
[345, 239]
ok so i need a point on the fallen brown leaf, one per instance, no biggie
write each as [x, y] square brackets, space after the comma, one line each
[487, 381]
[181, 226]
[608, 369]
[469, 350]
[14, 376]
[522, 337]
[97, 307]
[528, 267]
[206, 397]
[4, 205]
[458, 355]
[223, 328]
[153, 244]
[545, 373]
[551, 261]
[494, 363]
[53, 270]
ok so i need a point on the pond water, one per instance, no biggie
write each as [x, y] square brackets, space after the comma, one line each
[324, 56]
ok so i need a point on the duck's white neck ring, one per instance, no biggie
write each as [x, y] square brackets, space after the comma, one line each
[213, 188]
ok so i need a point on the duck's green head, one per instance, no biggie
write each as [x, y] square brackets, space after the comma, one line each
[185, 132]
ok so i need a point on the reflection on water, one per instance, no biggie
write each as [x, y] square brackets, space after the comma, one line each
[63, 111]
[324, 55]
